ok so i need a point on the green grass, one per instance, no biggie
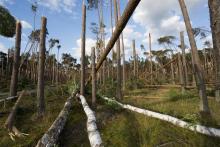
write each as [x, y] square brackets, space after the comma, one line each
[26, 119]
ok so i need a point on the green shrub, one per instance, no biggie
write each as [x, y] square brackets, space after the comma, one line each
[175, 95]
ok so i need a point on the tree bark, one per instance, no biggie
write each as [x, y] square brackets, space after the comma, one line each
[181, 74]
[41, 66]
[134, 58]
[118, 89]
[151, 63]
[214, 10]
[93, 79]
[199, 74]
[10, 120]
[83, 39]
[184, 59]
[14, 77]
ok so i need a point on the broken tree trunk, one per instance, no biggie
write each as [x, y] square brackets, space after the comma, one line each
[9, 124]
[131, 6]
[199, 73]
[14, 76]
[175, 121]
[41, 66]
[93, 133]
[83, 44]
[50, 138]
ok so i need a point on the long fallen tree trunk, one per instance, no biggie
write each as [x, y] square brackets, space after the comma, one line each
[93, 133]
[9, 124]
[175, 121]
[50, 138]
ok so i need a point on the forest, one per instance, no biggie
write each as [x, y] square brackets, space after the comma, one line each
[161, 92]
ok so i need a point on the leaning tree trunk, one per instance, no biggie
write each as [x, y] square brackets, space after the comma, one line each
[199, 74]
[14, 77]
[214, 10]
[118, 89]
[83, 44]
[41, 66]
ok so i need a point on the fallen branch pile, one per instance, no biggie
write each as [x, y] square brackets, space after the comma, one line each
[175, 121]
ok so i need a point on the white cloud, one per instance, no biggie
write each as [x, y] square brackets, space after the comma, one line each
[89, 44]
[3, 48]
[26, 25]
[59, 5]
[3, 2]
[161, 18]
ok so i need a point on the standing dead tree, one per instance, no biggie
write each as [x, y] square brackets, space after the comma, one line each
[199, 74]
[9, 124]
[14, 77]
[83, 38]
[41, 66]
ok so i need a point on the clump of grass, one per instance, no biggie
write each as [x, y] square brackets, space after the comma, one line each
[113, 106]
[176, 95]
[192, 118]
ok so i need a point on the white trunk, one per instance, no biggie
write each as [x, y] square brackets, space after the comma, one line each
[175, 121]
[93, 133]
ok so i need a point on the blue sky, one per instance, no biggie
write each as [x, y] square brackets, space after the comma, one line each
[159, 17]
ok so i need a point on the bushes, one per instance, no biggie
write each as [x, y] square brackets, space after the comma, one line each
[175, 95]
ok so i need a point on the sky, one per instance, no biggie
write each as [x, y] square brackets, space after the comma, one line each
[158, 17]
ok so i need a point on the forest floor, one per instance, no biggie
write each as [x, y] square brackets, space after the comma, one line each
[118, 127]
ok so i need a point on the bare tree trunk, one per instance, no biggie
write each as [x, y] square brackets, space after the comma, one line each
[151, 64]
[184, 59]
[123, 51]
[134, 58]
[14, 77]
[199, 74]
[118, 89]
[181, 74]
[41, 66]
[214, 10]
[113, 47]
[93, 78]
[83, 39]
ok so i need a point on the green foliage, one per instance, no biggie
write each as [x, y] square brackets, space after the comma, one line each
[192, 118]
[113, 106]
[71, 86]
[7, 23]
[134, 83]
[175, 95]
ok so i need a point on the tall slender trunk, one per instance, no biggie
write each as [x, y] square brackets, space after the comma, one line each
[199, 74]
[214, 10]
[93, 78]
[151, 63]
[123, 51]
[181, 74]
[14, 76]
[134, 58]
[57, 75]
[113, 47]
[185, 71]
[83, 39]
[118, 90]
[41, 66]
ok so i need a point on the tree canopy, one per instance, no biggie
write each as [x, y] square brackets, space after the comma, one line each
[7, 23]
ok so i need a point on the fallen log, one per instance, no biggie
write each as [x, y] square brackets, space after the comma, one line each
[175, 121]
[93, 133]
[8, 98]
[9, 124]
[50, 138]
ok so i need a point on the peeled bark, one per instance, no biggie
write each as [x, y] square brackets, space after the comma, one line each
[93, 133]
[214, 10]
[175, 121]
[83, 44]
[199, 74]
[14, 76]
[40, 84]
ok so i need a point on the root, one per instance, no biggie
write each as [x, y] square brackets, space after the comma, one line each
[16, 133]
